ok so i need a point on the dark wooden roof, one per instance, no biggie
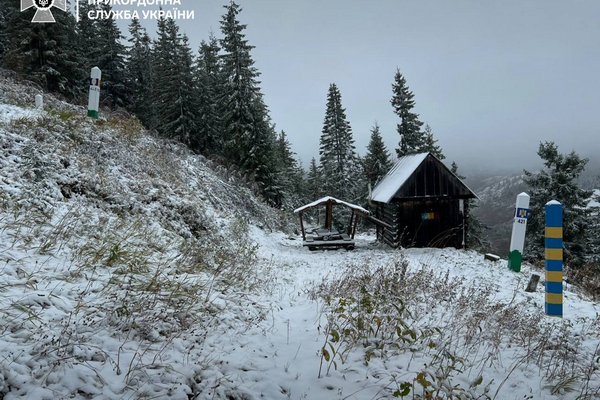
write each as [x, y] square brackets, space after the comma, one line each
[420, 176]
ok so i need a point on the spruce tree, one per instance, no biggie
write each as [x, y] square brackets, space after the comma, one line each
[45, 53]
[240, 88]
[249, 137]
[173, 83]
[476, 237]
[291, 174]
[184, 126]
[339, 161]
[377, 161]
[430, 144]
[454, 170]
[5, 9]
[558, 181]
[411, 138]
[139, 65]
[208, 138]
[314, 184]
[110, 58]
[87, 32]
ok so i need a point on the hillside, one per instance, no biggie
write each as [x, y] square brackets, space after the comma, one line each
[495, 209]
[132, 268]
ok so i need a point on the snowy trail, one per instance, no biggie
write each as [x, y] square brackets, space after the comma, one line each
[279, 358]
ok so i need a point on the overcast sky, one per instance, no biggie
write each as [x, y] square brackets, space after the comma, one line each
[492, 78]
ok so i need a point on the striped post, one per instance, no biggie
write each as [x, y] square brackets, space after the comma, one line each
[517, 239]
[94, 97]
[554, 259]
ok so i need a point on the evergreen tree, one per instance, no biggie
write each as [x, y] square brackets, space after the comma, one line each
[430, 144]
[110, 58]
[5, 9]
[240, 88]
[476, 237]
[248, 134]
[454, 170]
[291, 177]
[339, 161]
[208, 139]
[593, 239]
[184, 126]
[45, 53]
[409, 128]
[139, 66]
[377, 161]
[173, 82]
[558, 181]
[87, 32]
[314, 184]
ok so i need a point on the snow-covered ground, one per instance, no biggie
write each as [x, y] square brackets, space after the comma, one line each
[131, 268]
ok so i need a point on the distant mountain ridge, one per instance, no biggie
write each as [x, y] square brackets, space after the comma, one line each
[497, 196]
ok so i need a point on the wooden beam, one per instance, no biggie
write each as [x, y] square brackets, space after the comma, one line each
[328, 214]
[378, 222]
[302, 226]
[354, 228]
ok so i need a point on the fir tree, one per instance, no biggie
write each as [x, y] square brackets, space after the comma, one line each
[208, 139]
[409, 128]
[248, 134]
[377, 161]
[291, 174]
[87, 32]
[558, 181]
[430, 144]
[6, 8]
[184, 126]
[110, 58]
[45, 53]
[339, 161]
[172, 80]
[476, 237]
[314, 185]
[240, 88]
[454, 170]
[139, 66]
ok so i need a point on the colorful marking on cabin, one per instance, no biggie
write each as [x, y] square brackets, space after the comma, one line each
[428, 216]
[554, 259]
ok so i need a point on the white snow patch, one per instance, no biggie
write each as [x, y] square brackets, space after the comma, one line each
[10, 112]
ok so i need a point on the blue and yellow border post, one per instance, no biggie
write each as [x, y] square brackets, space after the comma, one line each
[554, 259]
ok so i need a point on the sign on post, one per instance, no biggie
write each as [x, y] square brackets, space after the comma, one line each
[554, 259]
[94, 98]
[517, 239]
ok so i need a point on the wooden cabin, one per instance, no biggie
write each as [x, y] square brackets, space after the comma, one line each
[423, 203]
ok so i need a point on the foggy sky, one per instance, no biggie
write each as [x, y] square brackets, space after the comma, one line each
[492, 78]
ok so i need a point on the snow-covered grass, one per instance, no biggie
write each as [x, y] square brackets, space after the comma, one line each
[131, 268]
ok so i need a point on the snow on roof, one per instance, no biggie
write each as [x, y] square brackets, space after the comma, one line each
[336, 201]
[395, 178]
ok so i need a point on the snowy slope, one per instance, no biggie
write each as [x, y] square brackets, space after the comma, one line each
[134, 269]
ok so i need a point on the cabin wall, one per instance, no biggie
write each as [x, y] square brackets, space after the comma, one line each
[422, 223]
